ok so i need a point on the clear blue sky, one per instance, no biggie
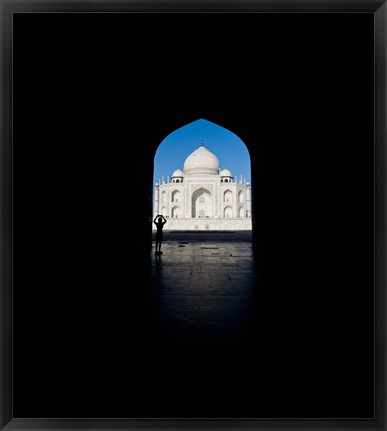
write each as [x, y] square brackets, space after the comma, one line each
[227, 147]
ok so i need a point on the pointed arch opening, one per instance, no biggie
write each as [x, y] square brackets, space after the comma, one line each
[202, 203]
[175, 212]
[227, 196]
[202, 179]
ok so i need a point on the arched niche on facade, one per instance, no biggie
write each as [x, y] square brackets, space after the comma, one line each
[227, 196]
[202, 201]
[175, 196]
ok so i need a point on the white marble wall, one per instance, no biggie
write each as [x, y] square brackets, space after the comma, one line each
[222, 205]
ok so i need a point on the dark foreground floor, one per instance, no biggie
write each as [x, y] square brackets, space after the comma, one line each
[212, 328]
[204, 287]
[204, 308]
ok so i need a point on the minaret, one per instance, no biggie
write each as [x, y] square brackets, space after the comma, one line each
[248, 200]
[156, 204]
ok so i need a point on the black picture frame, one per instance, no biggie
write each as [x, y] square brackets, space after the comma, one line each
[378, 8]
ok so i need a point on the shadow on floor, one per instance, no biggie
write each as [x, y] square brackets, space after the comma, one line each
[204, 288]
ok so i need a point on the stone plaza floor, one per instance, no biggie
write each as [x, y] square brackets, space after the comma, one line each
[204, 287]
[206, 325]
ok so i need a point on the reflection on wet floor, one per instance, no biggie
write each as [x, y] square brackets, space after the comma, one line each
[204, 290]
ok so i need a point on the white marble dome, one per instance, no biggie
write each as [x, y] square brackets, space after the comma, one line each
[225, 173]
[200, 162]
[177, 174]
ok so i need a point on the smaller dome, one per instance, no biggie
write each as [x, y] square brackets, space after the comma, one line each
[177, 173]
[225, 173]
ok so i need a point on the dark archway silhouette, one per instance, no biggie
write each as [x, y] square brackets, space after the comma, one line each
[84, 151]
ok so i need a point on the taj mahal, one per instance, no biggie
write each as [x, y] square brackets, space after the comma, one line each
[203, 196]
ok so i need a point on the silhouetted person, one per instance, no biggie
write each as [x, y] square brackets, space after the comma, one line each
[159, 221]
